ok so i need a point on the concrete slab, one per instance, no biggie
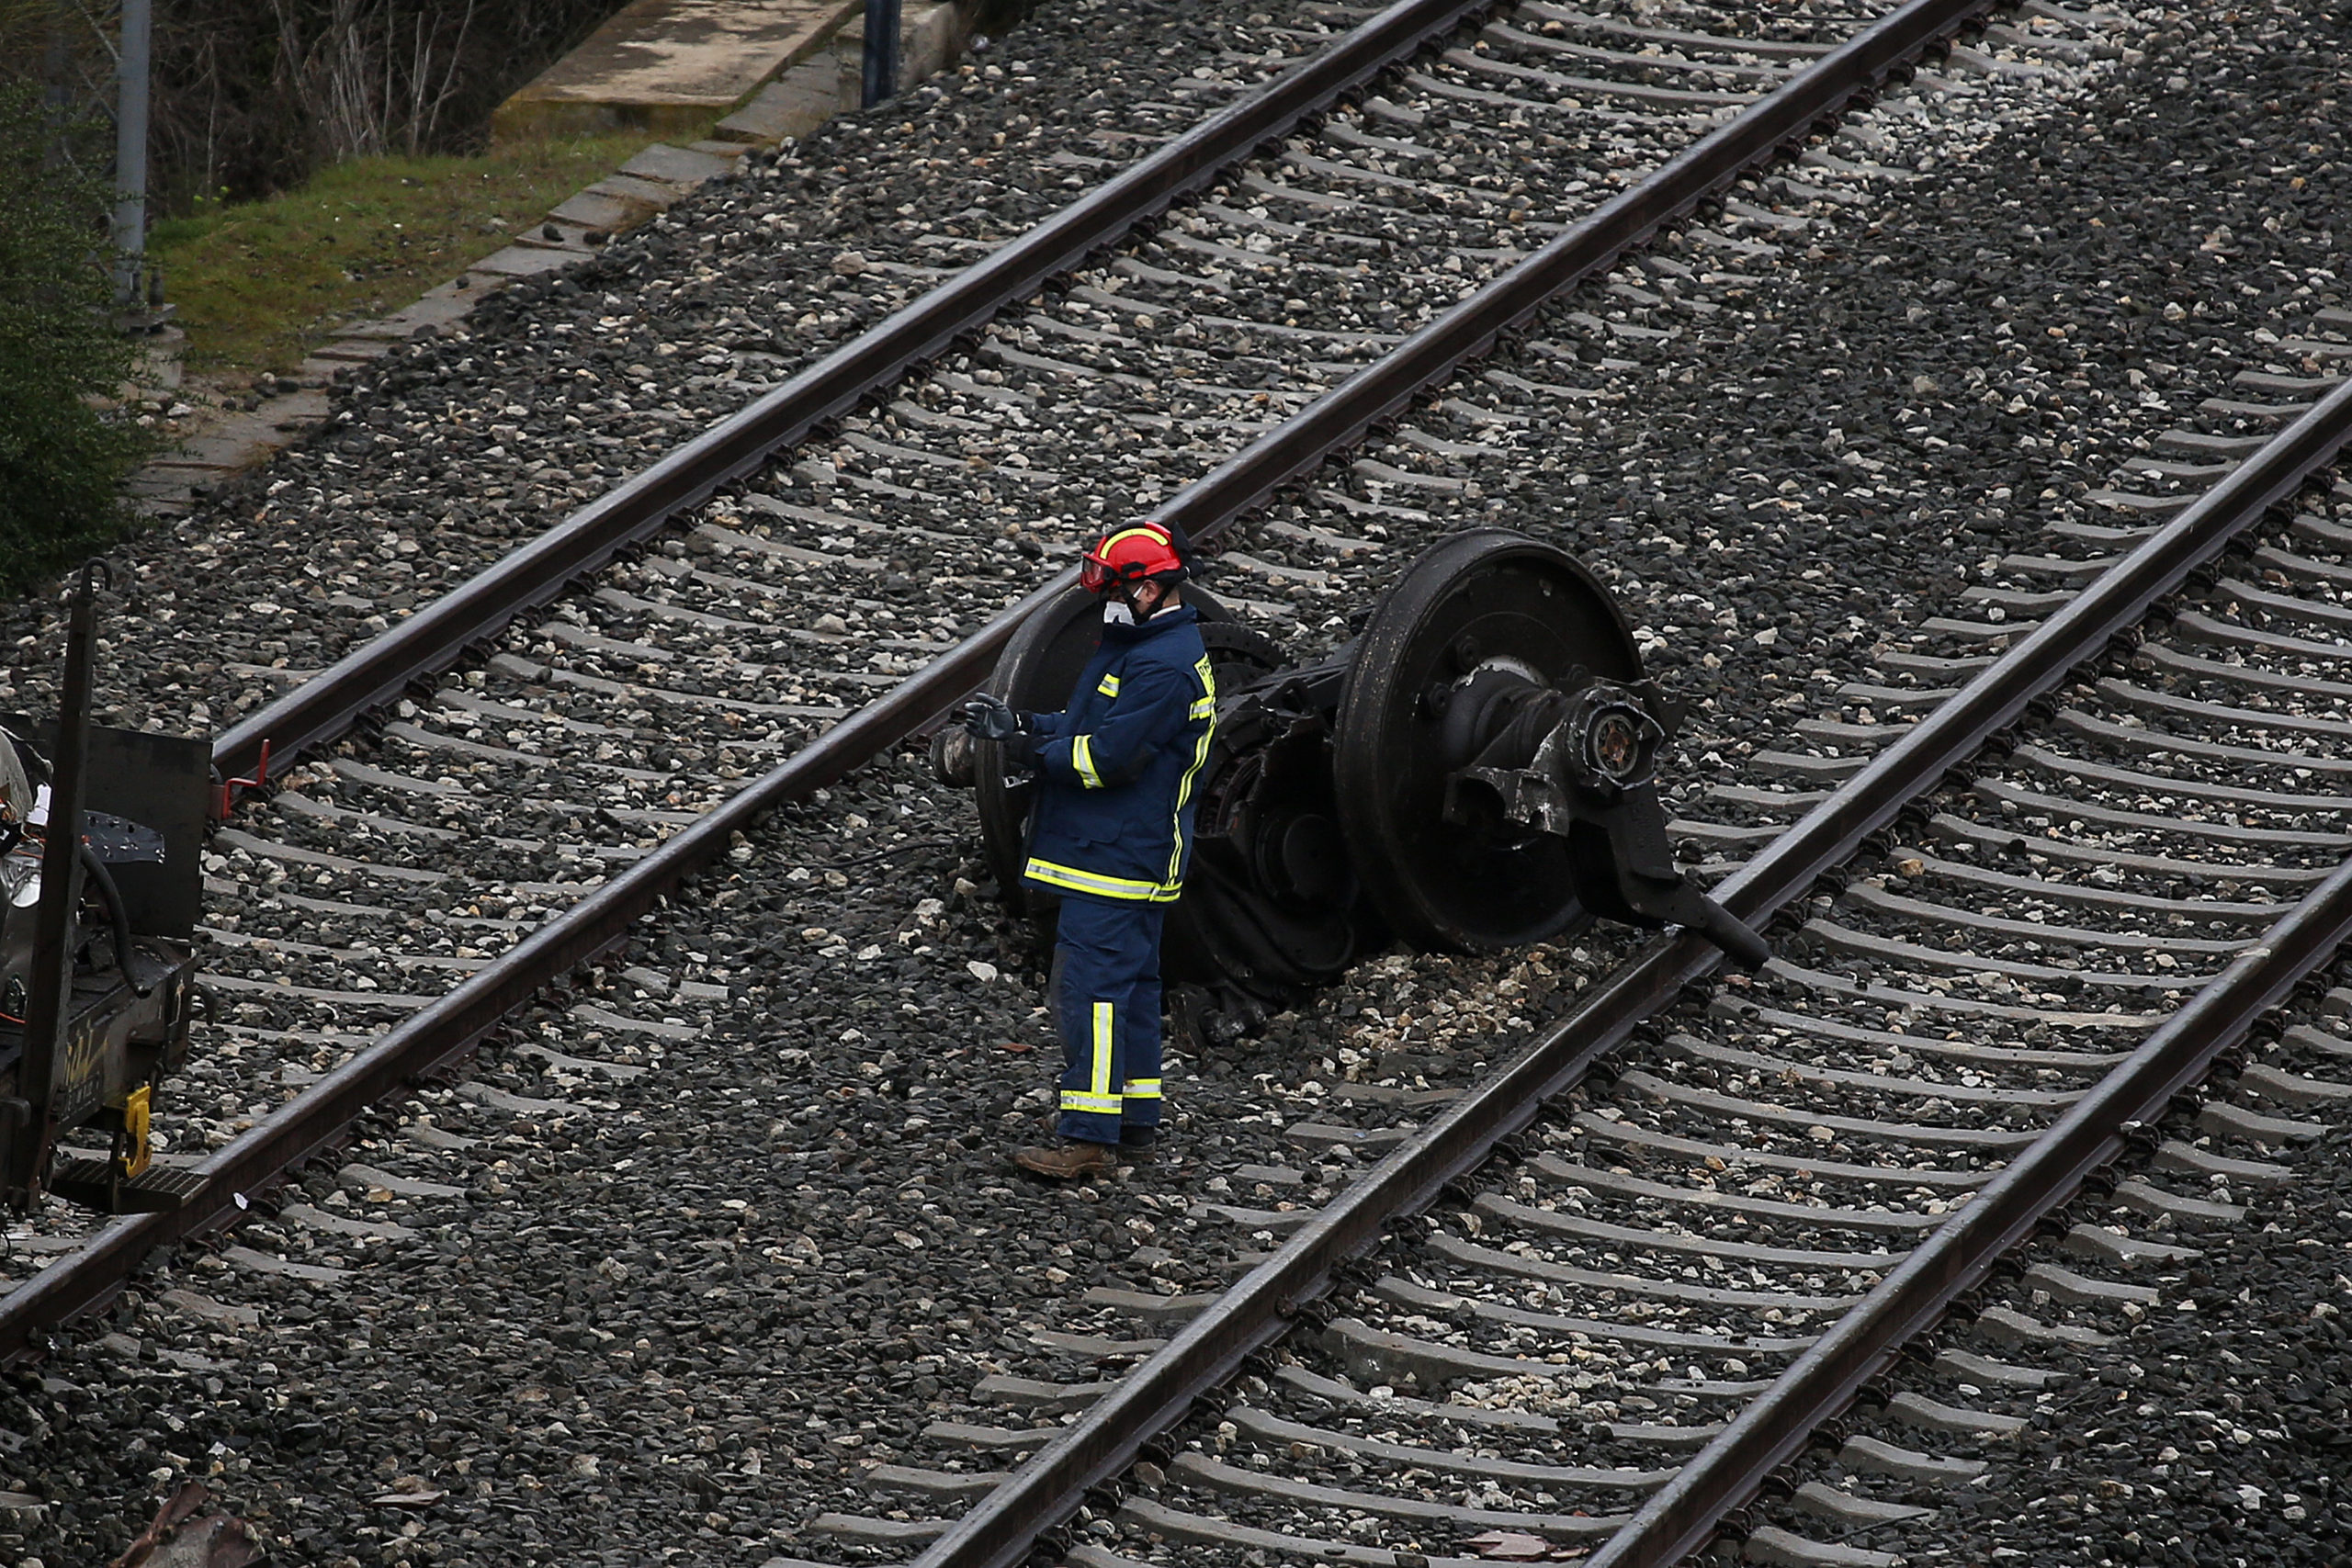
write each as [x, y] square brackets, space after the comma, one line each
[929, 37]
[268, 425]
[652, 194]
[297, 411]
[794, 105]
[154, 485]
[596, 213]
[933, 37]
[669, 65]
[350, 351]
[435, 310]
[678, 166]
[522, 261]
[231, 447]
[559, 237]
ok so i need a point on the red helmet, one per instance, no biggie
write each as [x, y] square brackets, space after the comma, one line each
[1139, 552]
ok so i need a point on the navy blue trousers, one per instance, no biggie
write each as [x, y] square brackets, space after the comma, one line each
[1106, 998]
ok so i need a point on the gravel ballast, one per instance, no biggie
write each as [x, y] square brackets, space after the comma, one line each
[586, 1257]
[2194, 1413]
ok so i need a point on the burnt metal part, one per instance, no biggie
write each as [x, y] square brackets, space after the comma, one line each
[49, 1075]
[998, 1531]
[1272, 907]
[1484, 618]
[381, 671]
[1475, 771]
[1496, 754]
[94, 937]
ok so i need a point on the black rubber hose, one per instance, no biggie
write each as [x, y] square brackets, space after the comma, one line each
[97, 873]
[1735, 936]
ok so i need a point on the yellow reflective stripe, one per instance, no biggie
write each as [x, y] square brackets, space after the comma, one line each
[1077, 881]
[1184, 794]
[1203, 707]
[1143, 1088]
[1081, 757]
[1108, 685]
[1106, 1040]
[1104, 548]
[1104, 1104]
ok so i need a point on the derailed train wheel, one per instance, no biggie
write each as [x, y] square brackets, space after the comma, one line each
[1035, 672]
[1271, 906]
[1482, 613]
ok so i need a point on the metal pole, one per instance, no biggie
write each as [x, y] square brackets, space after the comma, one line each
[881, 51]
[50, 993]
[54, 92]
[130, 152]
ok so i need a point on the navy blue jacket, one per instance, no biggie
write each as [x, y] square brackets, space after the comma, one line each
[1116, 769]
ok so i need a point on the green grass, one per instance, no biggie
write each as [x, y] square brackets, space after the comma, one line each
[259, 284]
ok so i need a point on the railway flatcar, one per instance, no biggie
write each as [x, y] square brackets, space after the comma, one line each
[1476, 769]
[101, 835]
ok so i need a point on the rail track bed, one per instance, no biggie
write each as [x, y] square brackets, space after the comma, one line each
[513, 787]
[2176, 1405]
[873, 1245]
[1674, 1239]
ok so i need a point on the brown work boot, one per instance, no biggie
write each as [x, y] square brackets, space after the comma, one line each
[1067, 1161]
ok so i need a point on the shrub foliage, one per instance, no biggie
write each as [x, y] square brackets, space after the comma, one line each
[62, 452]
[249, 97]
[252, 96]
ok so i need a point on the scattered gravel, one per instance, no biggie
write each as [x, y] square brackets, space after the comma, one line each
[2197, 1416]
[610, 1399]
[444, 454]
[656, 1306]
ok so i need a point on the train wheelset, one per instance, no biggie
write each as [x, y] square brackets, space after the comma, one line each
[1475, 771]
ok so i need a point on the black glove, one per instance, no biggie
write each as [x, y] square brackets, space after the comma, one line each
[989, 718]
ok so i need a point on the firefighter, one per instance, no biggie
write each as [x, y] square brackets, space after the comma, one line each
[1112, 833]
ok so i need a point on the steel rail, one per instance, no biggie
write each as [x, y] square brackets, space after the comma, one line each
[313, 1120]
[1682, 1517]
[1763, 132]
[422, 1042]
[381, 671]
[310, 1122]
[1002, 1529]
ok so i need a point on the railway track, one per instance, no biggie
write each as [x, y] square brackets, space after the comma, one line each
[1688, 1258]
[541, 657]
[603, 754]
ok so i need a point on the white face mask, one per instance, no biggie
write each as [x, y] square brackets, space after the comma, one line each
[1116, 613]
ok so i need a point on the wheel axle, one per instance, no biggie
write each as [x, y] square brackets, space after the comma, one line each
[1475, 771]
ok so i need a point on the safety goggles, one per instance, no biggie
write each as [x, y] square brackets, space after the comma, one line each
[1095, 575]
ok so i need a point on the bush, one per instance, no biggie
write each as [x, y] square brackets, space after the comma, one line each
[253, 96]
[63, 453]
